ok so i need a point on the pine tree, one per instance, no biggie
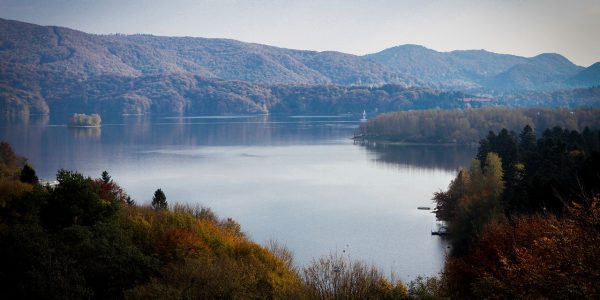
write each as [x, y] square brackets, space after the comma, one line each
[527, 141]
[105, 177]
[159, 201]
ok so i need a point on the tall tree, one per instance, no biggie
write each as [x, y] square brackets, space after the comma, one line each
[493, 175]
[28, 175]
[10, 163]
[527, 142]
[159, 201]
[105, 177]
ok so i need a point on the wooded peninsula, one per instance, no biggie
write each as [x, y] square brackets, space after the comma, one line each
[464, 126]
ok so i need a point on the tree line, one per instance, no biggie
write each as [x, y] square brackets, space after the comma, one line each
[189, 94]
[464, 126]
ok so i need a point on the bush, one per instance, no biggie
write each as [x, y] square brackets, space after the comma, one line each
[334, 277]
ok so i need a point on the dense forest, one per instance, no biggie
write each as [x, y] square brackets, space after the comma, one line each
[188, 94]
[567, 98]
[470, 125]
[87, 239]
[524, 218]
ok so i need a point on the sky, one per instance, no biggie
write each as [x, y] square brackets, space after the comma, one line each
[521, 27]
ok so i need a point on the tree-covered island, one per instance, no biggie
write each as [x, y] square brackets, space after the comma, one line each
[83, 120]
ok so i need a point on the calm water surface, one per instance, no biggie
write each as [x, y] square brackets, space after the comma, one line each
[299, 180]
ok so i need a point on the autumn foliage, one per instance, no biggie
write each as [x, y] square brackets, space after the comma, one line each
[204, 258]
[533, 257]
[86, 239]
[531, 230]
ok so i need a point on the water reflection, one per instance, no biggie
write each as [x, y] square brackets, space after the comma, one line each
[85, 133]
[25, 120]
[431, 157]
[50, 145]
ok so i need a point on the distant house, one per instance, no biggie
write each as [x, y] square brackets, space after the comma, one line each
[49, 183]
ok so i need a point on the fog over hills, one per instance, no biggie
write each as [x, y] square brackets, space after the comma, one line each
[48, 68]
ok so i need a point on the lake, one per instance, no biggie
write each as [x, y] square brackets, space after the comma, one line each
[299, 180]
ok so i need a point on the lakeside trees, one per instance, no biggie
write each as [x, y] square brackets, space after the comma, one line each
[525, 223]
[470, 125]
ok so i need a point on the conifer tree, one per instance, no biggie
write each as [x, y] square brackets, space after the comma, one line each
[159, 201]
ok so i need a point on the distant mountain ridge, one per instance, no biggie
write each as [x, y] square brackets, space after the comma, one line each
[468, 69]
[62, 49]
[41, 66]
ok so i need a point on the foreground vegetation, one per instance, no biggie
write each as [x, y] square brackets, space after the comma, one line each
[524, 219]
[87, 239]
[470, 125]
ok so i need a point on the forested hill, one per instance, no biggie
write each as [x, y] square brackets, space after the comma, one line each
[471, 125]
[47, 69]
[189, 94]
[54, 50]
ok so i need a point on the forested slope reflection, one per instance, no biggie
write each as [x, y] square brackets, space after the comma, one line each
[433, 157]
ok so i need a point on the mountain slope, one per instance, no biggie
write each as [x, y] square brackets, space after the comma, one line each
[589, 76]
[446, 69]
[543, 72]
[59, 49]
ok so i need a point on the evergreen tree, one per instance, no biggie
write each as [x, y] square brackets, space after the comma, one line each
[591, 140]
[486, 145]
[159, 201]
[106, 178]
[129, 201]
[75, 201]
[527, 142]
[28, 175]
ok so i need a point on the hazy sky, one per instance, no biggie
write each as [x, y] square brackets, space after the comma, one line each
[522, 27]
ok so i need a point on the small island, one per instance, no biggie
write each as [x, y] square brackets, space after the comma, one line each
[83, 120]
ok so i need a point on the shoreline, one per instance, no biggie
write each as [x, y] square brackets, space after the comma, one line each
[82, 126]
[403, 143]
